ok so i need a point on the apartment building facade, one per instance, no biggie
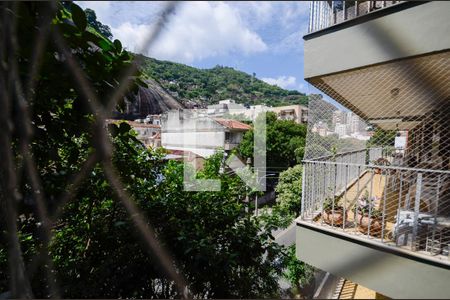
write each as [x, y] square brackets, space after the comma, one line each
[374, 215]
[297, 113]
[199, 133]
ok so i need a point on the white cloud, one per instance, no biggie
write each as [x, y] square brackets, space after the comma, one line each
[198, 30]
[258, 14]
[115, 13]
[284, 82]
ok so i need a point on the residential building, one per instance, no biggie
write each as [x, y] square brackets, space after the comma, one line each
[321, 128]
[199, 133]
[380, 216]
[341, 130]
[339, 116]
[224, 107]
[297, 113]
[153, 119]
[149, 134]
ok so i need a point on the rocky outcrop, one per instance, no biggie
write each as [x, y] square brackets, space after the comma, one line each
[150, 100]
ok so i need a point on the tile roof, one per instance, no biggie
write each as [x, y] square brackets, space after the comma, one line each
[232, 124]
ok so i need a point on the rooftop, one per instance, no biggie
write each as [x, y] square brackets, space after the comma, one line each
[232, 124]
[142, 125]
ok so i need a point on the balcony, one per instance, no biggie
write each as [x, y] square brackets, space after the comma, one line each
[324, 14]
[403, 208]
[353, 208]
[376, 210]
[343, 40]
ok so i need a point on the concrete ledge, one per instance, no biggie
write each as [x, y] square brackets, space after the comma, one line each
[392, 274]
[410, 32]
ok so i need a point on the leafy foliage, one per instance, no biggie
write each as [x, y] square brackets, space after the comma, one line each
[382, 137]
[331, 145]
[207, 86]
[298, 273]
[221, 250]
[97, 25]
[285, 141]
[289, 193]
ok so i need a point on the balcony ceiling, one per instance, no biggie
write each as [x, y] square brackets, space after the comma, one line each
[393, 95]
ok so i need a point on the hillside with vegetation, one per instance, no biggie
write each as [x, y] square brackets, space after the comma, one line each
[191, 85]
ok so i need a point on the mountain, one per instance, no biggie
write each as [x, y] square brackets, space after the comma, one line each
[150, 100]
[173, 85]
[192, 86]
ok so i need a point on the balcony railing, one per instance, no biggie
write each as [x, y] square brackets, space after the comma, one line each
[323, 14]
[405, 208]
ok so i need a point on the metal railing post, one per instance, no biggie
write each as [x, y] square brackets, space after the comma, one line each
[383, 217]
[398, 208]
[345, 196]
[302, 201]
[344, 8]
[334, 194]
[433, 233]
[357, 200]
[370, 201]
[416, 210]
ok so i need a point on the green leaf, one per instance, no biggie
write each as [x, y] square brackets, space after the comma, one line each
[79, 17]
[106, 46]
[118, 46]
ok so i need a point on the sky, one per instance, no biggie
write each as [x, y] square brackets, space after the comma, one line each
[264, 38]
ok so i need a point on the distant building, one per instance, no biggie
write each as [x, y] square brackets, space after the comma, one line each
[348, 124]
[148, 134]
[297, 113]
[321, 128]
[224, 107]
[199, 133]
[153, 119]
[341, 130]
[339, 116]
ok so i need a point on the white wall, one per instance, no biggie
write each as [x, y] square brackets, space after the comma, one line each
[191, 132]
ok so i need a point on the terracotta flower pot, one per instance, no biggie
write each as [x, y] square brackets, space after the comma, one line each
[363, 224]
[337, 218]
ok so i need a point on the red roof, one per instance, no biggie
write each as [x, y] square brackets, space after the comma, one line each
[233, 124]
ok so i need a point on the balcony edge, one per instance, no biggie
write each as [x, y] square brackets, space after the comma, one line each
[364, 18]
[421, 258]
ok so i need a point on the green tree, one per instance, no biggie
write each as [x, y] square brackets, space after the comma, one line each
[220, 83]
[285, 141]
[382, 137]
[289, 194]
[299, 274]
[221, 250]
[97, 25]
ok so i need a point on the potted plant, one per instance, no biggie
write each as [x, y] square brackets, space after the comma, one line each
[333, 215]
[381, 161]
[366, 213]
